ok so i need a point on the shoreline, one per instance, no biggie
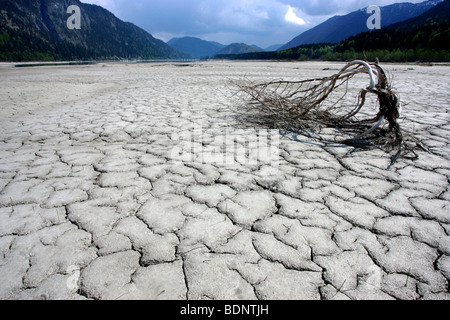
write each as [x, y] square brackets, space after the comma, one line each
[94, 62]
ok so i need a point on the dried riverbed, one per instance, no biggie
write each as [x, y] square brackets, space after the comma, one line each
[135, 182]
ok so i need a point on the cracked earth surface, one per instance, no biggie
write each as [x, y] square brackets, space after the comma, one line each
[103, 194]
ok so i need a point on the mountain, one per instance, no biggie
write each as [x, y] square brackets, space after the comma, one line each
[339, 28]
[199, 48]
[428, 32]
[274, 47]
[195, 47]
[238, 48]
[256, 47]
[423, 38]
[436, 15]
[37, 30]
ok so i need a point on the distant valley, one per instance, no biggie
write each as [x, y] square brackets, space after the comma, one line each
[199, 48]
[331, 32]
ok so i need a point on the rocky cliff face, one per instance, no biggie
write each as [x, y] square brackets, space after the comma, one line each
[32, 29]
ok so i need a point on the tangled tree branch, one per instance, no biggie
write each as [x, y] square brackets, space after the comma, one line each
[315, 103]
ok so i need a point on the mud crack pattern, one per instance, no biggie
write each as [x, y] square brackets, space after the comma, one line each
[104, 196]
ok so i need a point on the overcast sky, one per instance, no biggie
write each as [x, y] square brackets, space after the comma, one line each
[260, 22]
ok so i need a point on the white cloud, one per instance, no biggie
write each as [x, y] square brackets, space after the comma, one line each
[293, 18]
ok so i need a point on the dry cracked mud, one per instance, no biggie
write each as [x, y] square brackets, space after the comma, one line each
[134, 182]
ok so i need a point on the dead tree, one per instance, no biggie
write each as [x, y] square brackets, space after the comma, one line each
[307, 105]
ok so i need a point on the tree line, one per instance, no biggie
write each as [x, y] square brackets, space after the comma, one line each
[426, 43]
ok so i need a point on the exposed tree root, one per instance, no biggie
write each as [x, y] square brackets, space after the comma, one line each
[309, 105]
